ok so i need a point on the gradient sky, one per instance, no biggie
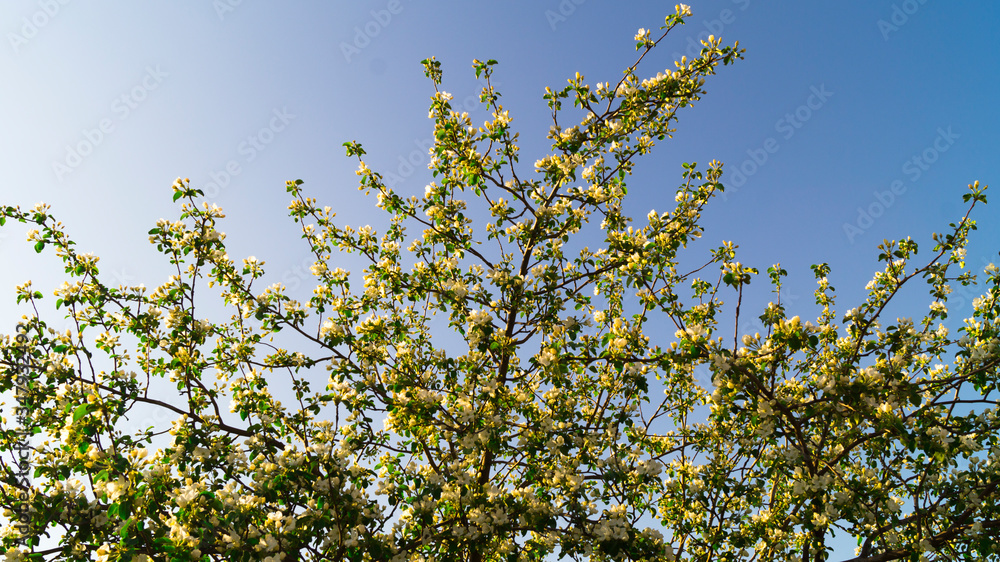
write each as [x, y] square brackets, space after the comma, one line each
[191, 88]
[104, 104]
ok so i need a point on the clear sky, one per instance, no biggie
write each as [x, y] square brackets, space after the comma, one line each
[842, 99]
[847, 123]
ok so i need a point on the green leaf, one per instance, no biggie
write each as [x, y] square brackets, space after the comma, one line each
[80, 411]
[39, 245]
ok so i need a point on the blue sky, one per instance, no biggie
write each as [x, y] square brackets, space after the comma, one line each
[840, 98]
[847, 123]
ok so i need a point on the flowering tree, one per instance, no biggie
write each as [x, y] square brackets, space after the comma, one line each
[546, 418]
